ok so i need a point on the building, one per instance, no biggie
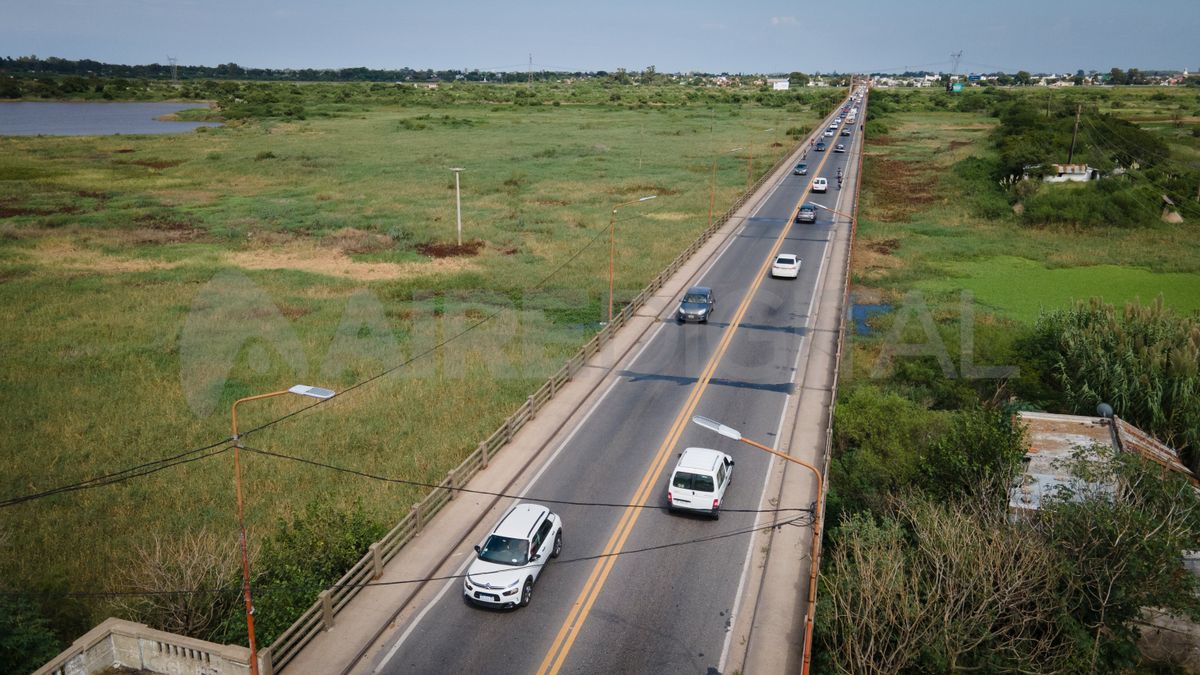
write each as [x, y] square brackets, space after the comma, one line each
[1074, 173]
[1053, 439]
[779, 83]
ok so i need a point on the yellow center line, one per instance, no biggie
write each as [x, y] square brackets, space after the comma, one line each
[573, 624]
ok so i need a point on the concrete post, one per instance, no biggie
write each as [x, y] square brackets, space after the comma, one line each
[416, 514]
[326, 610]
[376, 561]
[483, 453]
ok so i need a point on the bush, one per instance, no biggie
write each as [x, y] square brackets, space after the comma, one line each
[303, 558]
[1144, 361]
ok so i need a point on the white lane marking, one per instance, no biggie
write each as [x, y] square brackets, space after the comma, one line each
[737, 598]
[459, 571]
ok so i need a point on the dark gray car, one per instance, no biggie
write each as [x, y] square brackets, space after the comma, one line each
[697, 304]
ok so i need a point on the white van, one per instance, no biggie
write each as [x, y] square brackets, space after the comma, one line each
[699, 480]
[819, 184]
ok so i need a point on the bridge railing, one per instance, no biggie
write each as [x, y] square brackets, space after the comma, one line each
[320, 615]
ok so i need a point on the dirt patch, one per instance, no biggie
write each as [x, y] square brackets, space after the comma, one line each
[122, 151]
[884, 246]
[900, 188]
[157, 163]
[871, 264]
[59, 254]
[177, 197]
[552, 202]
[959, 144]
[351, 240]
[882, 140]
[307, 257]
[439, 249]
[965, 127]
[672, 216]
[643, 189]
[8, 211]
[88, 194]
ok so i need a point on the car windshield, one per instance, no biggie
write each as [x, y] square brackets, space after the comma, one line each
[695, 299]
[785, 260]
[692, 481]
[505, 550]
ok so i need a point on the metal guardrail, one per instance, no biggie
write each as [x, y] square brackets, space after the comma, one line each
[320, 615]
[837, 367]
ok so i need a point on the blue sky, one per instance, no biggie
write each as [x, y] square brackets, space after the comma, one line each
[704, 35]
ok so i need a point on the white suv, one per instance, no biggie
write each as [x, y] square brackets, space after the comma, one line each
[699, 480]
[509, 561]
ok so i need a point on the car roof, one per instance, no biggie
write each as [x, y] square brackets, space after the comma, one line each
[704, 459]
[520, 521]
[703, 290]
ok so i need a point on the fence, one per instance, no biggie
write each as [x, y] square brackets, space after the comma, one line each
[321, 614]
[837, 369]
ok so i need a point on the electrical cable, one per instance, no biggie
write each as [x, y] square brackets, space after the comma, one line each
[486, 493]
[122, 475]
[802, 520]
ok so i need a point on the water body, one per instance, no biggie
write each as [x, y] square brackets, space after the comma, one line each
[33, 118]
[860, 313]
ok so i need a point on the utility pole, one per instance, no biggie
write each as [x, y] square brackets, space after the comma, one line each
[1075, 133]
[458, 202]
[530, 70]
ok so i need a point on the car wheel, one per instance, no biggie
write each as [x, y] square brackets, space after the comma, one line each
[527, 593]
[716, 514]
[557, 545]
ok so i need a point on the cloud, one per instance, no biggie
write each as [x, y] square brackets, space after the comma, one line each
[784, 21]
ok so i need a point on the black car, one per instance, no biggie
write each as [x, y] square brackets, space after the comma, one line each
[821, 147]
[806, 214]
[800, 170]
[845, 132]
[697, 304]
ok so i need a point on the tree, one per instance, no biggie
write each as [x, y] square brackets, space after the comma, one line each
[798, 79]
[1023, 77]
[1122, 529]
[200, 564]
[1115, 76]
[940, 587]
[26, 639]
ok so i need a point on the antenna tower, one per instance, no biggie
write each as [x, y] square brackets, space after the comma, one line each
[530, 70]
[955, 57]
[174, 69]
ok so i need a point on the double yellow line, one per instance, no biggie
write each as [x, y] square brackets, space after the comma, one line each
[573, 624]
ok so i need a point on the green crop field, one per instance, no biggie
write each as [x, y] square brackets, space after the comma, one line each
[146, 282]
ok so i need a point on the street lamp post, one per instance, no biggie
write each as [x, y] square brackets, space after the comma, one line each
[300, 390]
[834, 211]
[612, 248]
[458, 202]
[729, 432]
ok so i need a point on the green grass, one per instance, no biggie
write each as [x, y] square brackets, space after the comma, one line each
[108, 245]
[1020, 288]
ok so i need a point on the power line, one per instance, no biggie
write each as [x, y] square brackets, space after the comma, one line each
[124, 474]
[802, 520]
[486, 493]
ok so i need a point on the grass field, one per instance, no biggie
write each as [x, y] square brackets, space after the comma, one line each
[147, 282]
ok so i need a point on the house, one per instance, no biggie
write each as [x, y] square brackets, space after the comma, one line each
[779, 83]
[1056, 438]
[1075, 173]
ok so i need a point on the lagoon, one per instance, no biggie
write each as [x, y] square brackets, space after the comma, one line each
[33, 118]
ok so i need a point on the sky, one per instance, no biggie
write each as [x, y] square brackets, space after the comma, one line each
[735, 36]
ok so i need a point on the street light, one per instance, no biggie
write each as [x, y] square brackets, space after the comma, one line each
[835, 211]
[299, 390]
[612, 248]
[712, 186]
[458, 201]
[730, 432]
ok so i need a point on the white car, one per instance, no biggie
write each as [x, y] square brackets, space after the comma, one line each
[699, 481]
[786, 265]
[509, 561]
[819, 184]
[829, 133]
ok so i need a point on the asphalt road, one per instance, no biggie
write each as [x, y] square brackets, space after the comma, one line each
[664, 610]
